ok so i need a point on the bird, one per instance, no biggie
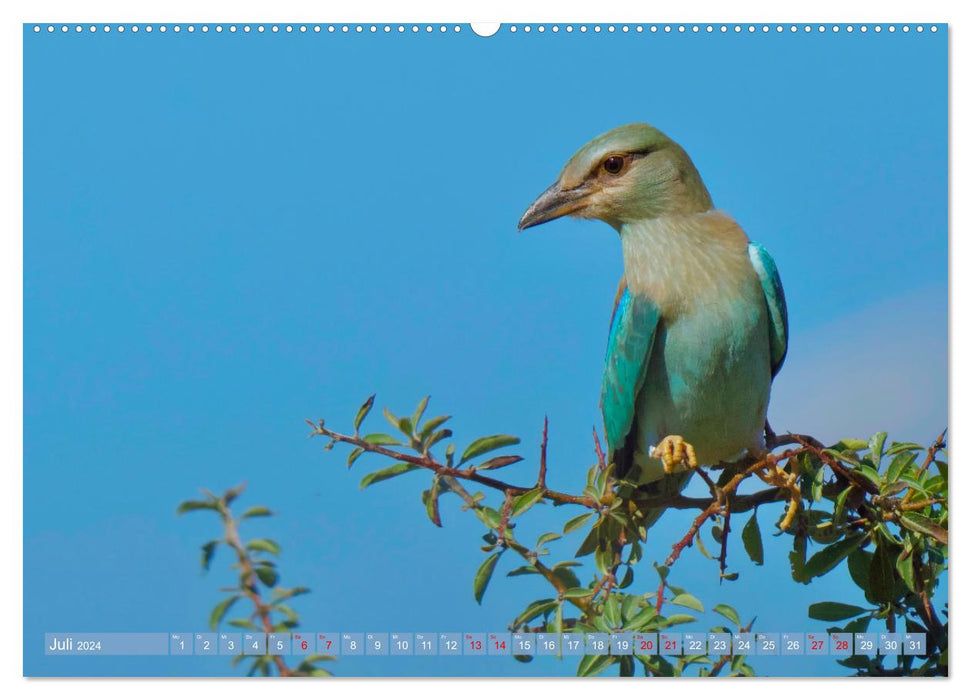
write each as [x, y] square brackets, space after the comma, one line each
[699, 327]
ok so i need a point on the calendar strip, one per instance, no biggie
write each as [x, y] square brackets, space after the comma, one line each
[371, 644]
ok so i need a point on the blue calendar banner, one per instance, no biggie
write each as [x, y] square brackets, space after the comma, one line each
[488, 644]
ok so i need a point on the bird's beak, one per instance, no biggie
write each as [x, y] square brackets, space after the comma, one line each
[552, 204]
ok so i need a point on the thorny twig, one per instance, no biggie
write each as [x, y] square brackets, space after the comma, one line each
[469, 474]
[723, 556]
[939, 444]
[541, 480]
[248, 574]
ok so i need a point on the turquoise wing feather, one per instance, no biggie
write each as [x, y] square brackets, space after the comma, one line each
[775, 300]
[629, 347]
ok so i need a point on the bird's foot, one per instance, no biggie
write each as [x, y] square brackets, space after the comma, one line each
[774, 475]
[673, 452]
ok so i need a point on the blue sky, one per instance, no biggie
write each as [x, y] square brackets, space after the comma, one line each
[227, 234]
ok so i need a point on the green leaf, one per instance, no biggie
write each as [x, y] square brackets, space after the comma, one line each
[816, 487]
[189, 506]
[679, 619]
[430, 499]
[645, 616]
[822, 528]
[381, 439]
[577, 593]
[547, 537]
[831, 612]
[631, 605]
[859, 565]
[752, 539]
[839, 510]
[388, 473]
[431, 425]
[391, 418]
[594, 665]
[268, 576]
[489, 516]
[232, 494]
[688, 601]
[567, 578]
[611, 612]
[700, 543]
[498, 462]
[871, 474]
[851, 444]
[354, 454]
[924, 525]
[208, 550]
[727, 611]
[483, 575]
[219, 612]
[242, 623]
[419, 412]
[899, 465]
[534, 610]
[576, 523]
[317, 658]
[901, 447]
[362, 412]
[797, 558]
[257, 512]
[914, 484]
[290, 613]
[437, 438]
[828, 557]
[287, 593]
[876, 447]
[487, 444]
[604, 560]
[524, 502]
[263, 545]
[589, 544]
[881, 576]
[905, 567]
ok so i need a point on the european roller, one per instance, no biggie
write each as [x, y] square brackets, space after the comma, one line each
[699, 328]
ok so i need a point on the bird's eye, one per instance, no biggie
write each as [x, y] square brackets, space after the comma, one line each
[614, 164]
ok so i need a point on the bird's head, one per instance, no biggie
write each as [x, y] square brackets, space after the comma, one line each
[631, 173]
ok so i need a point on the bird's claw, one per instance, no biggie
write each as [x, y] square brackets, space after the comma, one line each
[774, 475]
[673, 452]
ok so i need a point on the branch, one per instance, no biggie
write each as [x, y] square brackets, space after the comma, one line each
[541, 480]
[469, 474]
[506, 537]
[250, 579]
[939, 444]
[686, 541]
[601, 459]
[723, 556]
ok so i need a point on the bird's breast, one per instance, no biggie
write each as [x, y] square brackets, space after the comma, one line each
[686, 262]
[708, 375]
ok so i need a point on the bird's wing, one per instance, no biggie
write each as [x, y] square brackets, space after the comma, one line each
[775, 300]
[629, 346]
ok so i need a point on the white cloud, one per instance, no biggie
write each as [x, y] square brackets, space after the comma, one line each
[882, 368]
